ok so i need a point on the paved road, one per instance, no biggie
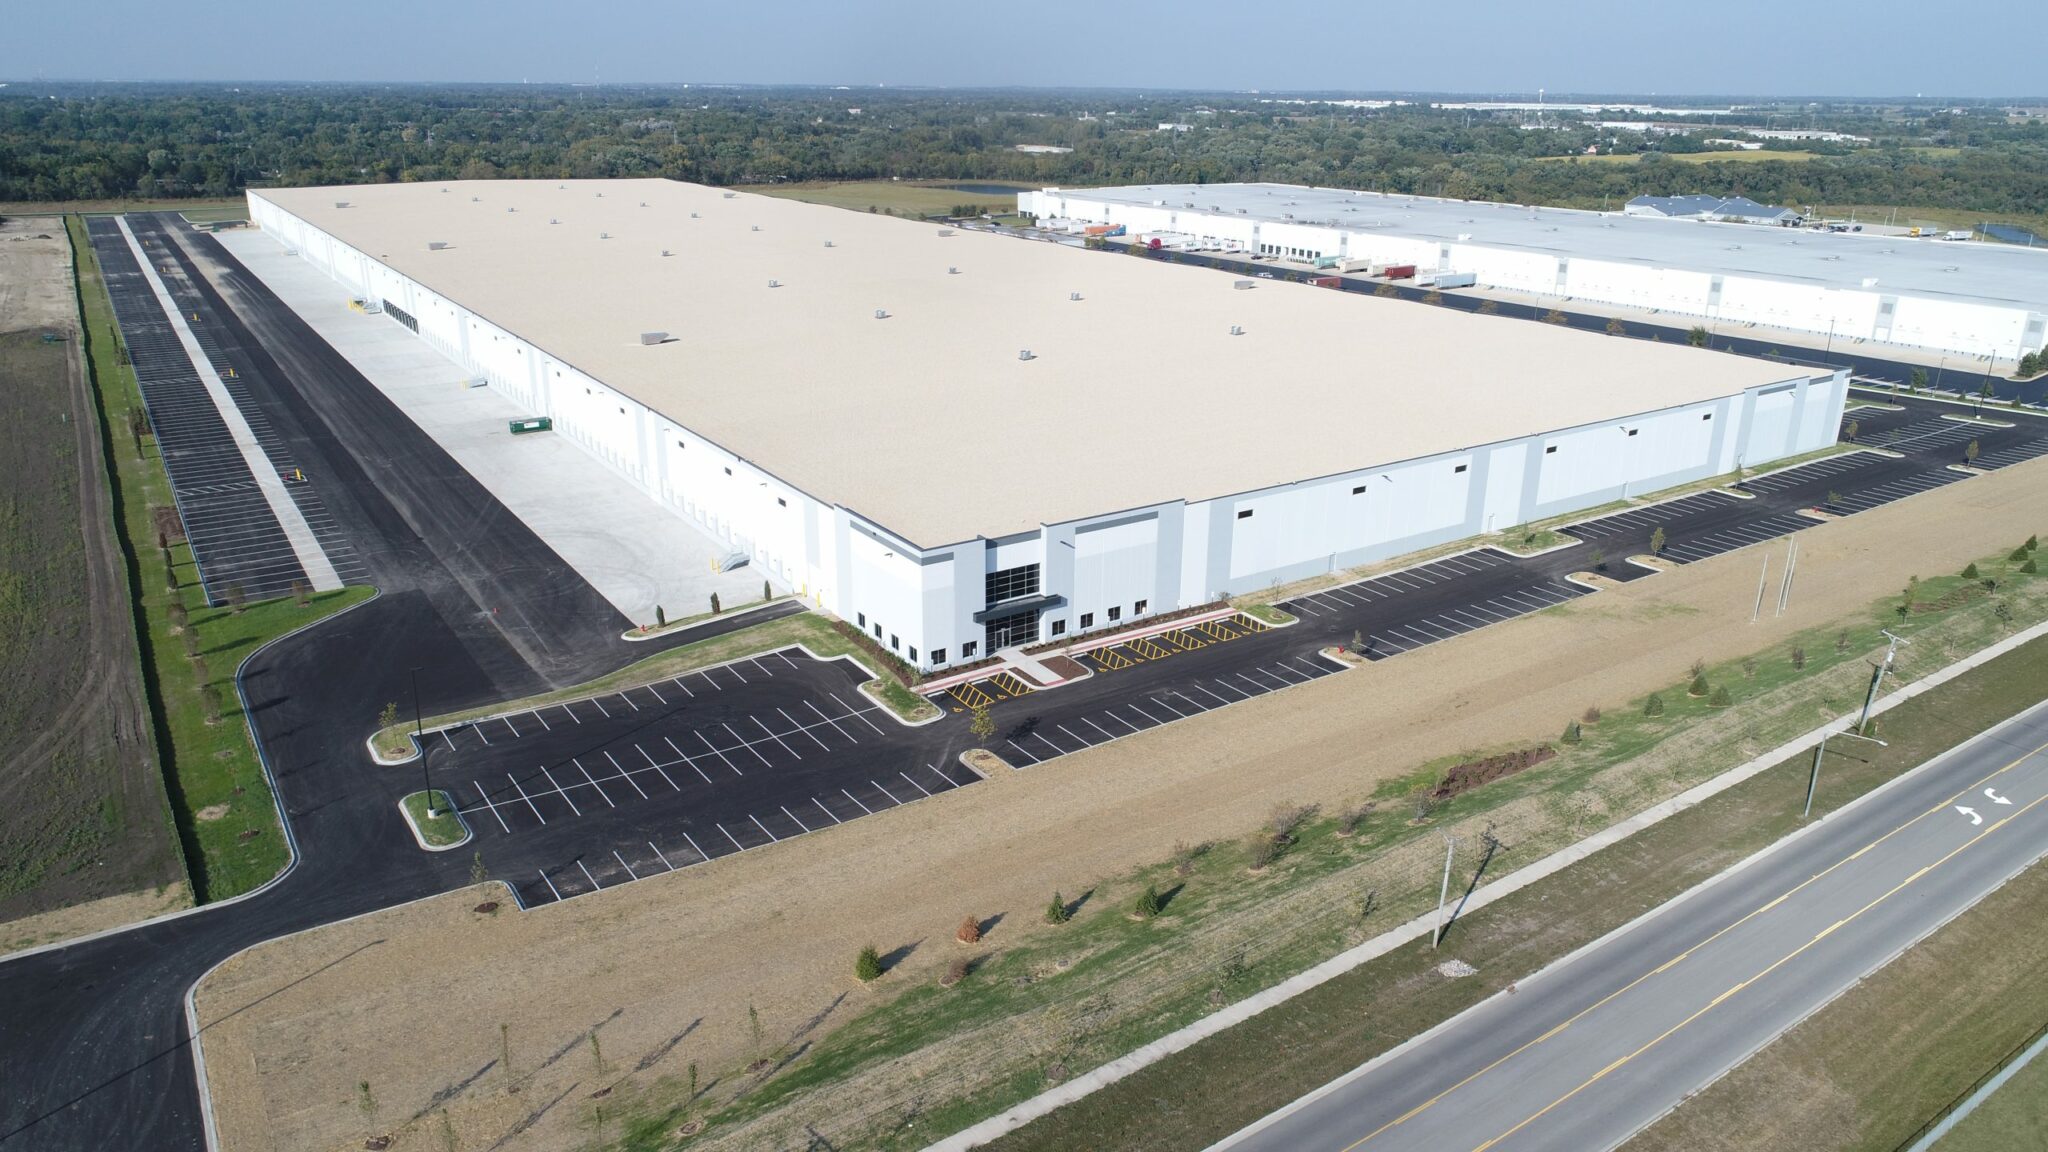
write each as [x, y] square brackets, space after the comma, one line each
[1586, 1054]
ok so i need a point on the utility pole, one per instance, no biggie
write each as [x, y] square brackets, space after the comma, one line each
[1443, 894]
[1762, 578]
[1813, 776]
[426, 784]
[1791, 563]
[1877, 676]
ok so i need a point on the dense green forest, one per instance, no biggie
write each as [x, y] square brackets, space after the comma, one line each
[79, 142]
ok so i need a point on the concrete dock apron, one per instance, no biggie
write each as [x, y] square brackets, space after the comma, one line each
[310, 555]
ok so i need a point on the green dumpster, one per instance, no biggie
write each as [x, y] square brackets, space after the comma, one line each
[532, 424]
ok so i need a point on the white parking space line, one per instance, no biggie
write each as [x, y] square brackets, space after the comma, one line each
[806, 731]
[831, 721]
[729, 836]
[771, 733]
[651, 763]
[856, 800]
[678, 682]
[593, 782]
[572, 714]
[1042, 739]
[525, 797]
[480, 735]
[792, 817]
[545, 726]
[786, 659]
[662, 856]
[1211, 695]
[860, 714]
[446, 740]
[629, 702]
[757, 664]
[621, 770]
[1156, 722]
[1241, 693]
[686, 759]
[1177, 713]
[1107, 734]
[701, 854]
[772, 837]
[558, 789]
[825, 810]
[551, 887]
[623, 864]
[884, 791]
[1063, 728]
[1020, 748]
[493, 807]
[744, 744]
[915, 784]
[600, 707]
[710, 681]
[657, 695]
[508, 724]
[736, 674]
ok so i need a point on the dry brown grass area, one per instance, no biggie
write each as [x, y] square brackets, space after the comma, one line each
[412, 999]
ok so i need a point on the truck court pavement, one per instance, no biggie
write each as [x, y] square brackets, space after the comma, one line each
[1590, 1051]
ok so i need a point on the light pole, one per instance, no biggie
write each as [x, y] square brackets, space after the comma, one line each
[426, 784]
[1877, 677]
[1813, 776]
[1444, 893]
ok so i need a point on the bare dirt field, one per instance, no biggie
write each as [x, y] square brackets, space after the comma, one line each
[83, 815]
[426, 1004]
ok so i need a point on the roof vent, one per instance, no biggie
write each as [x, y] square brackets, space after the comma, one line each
[730, 195]
[436, 245]
[444, 191]
[1236, 330]
[604, 235]
[881, 313]
[643, 203]
[775, 283]
[475, 199]
[344, 203]
[1243, 285]
[945, 231]
[952, 271]
[509, 209]
[828, 243]
[693, 215]
[666, 252]
[552, 220]
[653, 337]
[600, 195]
[754, 228]
[1025, 354]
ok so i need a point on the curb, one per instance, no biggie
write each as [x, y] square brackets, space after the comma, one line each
[1086, 1084]
[635, 636]
[468, 834]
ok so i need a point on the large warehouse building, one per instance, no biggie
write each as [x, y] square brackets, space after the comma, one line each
[962, 441]
[1891, 293]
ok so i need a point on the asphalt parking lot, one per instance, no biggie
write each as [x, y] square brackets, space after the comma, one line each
[585, 794]
[1410, 608]
[234, 534]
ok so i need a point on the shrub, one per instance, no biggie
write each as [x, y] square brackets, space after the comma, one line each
[237, 599]
[767, 593]
[1616, 328]
[969, 931]
[209, 697]
[660, 616]
[1487, 308]
[1721, 698]
[1057, 912]
[2028, 567]
[1555, 317]
[1599, 560]
[2018, 554]
[1348, 822]
[190, 639]
[302, 593]
[1592, 715]
[1571, 733]
[1697, 668]
[1698, 687]
[1798, 657]
[2033, 542]
[714, 604]
[1654, 706]
[1842, 642]
[1149, 904]
[1185, 855]
[175, 613]
[868, 965]
[1263, 848]
[1697, 337]
[1749, 669]
[1657, 540]
[955, 972]
[1970, 571]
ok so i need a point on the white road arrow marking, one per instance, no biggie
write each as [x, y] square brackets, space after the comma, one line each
[1972, 814]
[1996, 798]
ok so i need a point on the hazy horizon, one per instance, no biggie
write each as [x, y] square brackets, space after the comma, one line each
[1831, 50]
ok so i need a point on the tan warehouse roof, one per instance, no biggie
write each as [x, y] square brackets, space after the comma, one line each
[927, 422]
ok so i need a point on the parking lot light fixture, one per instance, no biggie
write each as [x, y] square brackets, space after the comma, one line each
[426, 784]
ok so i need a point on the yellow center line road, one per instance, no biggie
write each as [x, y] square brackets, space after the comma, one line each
[1780, 962]
[1692, 950]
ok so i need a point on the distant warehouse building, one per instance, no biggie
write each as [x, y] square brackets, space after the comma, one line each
[1890, 292]
[961, 441]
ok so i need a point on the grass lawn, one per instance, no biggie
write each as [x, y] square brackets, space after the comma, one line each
[2015, 1116]
[443, 829]
[220, 798]
[1867, 1071]
[901, 197]
[808, 628]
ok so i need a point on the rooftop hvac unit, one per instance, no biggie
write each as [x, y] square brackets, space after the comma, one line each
[436, 245]
[730, 195]
[666, 252]
[828, 243]
[643, 203]
[1244, 285]
[653, 337]
[509, 209]
[552, 220]
[1236, 330]
[1073, 295]
[952, 271]
[1025, 354]
[754, 228]
[775, 283]
[344, 203]
[604, 235]
[693, 215]
[600, 195]
[475, 199]
[945, 231]
[881, 313]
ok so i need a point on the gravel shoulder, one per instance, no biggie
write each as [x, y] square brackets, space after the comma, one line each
[418, 1000]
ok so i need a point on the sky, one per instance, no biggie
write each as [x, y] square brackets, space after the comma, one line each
[1976, 48]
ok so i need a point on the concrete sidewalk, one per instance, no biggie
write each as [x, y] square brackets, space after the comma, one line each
[636, 553]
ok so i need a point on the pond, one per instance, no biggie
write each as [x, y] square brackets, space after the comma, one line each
[985, 189]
